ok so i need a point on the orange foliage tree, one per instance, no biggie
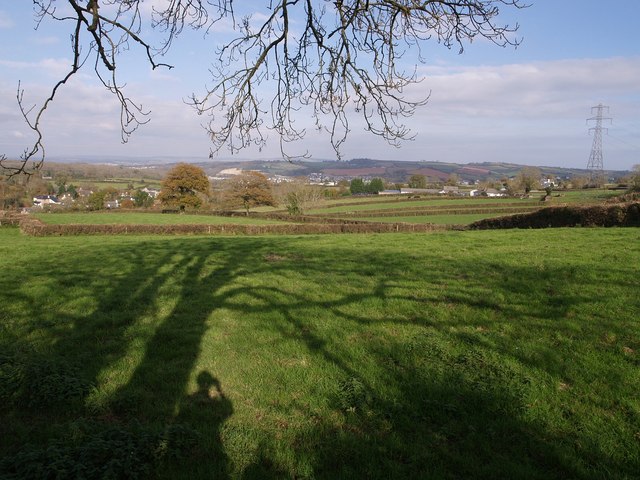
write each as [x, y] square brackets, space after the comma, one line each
[251, 189]
[184, 187]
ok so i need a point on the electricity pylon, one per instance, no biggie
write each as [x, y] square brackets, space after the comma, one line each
[595, 166]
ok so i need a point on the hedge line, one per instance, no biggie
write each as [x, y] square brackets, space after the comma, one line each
[392, 212]
[9, 219]
[35, 227]
[401, 198]
[627, 197]
[9, 222]
[285, 217]
[447, 207]
[613, 215]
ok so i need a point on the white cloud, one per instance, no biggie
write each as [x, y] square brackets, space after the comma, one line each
[531, 90]
[528, 113]
[5, 20]
[53, 67]
[46, 41]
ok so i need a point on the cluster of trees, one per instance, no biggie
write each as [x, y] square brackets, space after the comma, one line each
[359, 186]
[70, 189]
[422, 181]
[187, 187]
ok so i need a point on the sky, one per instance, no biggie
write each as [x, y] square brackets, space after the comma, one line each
[525, 105]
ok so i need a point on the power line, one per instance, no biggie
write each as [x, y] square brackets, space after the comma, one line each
[595, 164]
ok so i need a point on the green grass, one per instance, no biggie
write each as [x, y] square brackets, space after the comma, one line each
[393, 203]
[457, 219]
[584, 196]
[106, 218]
[488, 354]
[119, 184]
[349, 204]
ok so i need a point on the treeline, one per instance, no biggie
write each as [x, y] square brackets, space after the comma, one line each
[358, 186]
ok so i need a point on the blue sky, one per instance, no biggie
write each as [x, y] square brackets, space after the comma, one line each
[527, 105]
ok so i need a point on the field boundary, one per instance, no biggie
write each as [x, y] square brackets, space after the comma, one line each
[35, 227]
[607, 215]
[403, 198]
[428, 211]
[9, 219]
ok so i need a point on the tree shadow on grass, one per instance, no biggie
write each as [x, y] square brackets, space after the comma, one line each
[435, 400]
[95, 348]
[464, 414]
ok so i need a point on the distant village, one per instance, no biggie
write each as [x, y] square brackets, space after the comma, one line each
[66, 195]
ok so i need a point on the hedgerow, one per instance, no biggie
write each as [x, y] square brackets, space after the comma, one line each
[9, 219]
[431, 211]
[606, 215]
[35, 227]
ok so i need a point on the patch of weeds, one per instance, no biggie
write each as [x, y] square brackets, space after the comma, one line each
[39, 382]
[95, 452]
[276, 257]
[353, 395]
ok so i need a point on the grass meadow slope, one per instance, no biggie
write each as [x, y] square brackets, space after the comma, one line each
[487, 354]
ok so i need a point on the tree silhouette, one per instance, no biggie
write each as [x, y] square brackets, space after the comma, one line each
[330, 57]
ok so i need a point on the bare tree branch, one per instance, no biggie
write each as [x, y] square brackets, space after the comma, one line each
[348, 58]
[331, 58]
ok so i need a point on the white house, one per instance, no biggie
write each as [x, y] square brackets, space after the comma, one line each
[42, 200]
[152, 192]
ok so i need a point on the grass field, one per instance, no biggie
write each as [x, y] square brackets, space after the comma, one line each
[401, 203]
[584, 196]
[120, 183]
[488, 354]
[446, 210]
[144, 218]
[559, 196]
[457, 219]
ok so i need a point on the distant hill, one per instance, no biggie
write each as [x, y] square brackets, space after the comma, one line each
[400, 171]
[390, 170]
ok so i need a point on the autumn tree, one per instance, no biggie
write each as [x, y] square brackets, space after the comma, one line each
[528, 179]
[298, 196]
[96, 200]
[579, 182]
[332, 59]
[185, 187]
[12, 193]
[417, 181]
[635, 179]
[452, 180]
[248, 190]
